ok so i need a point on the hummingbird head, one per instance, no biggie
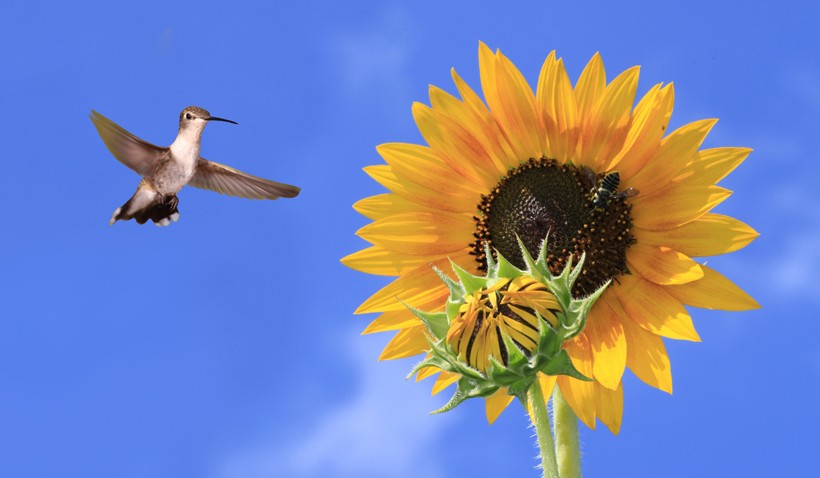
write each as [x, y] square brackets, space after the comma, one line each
[193, 119]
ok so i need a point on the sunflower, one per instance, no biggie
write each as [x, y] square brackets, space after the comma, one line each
[583, 167]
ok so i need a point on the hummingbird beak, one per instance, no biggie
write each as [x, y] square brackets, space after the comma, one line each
[214, 118]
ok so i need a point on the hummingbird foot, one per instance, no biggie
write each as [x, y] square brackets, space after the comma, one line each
[147, 204]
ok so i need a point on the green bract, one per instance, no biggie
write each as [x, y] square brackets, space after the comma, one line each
[522, 367]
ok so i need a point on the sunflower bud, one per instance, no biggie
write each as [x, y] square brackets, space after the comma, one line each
[504, 328]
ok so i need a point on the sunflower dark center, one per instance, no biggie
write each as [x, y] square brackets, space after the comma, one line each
[565, 204]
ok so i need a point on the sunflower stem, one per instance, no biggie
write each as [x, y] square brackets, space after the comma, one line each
[541, 420]
[566, 437]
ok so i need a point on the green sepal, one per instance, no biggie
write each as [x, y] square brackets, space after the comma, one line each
[519, 389]
[492, 266]
[451, 309]
[517, 360]
[541, 262]
[451, 362]
[532, 267]
[466, 389]
[549, 343]
[506, 269]
[501, 375]
[428, 362]
[470, 282]
[455, 288]
[436, 323]
[576, 270]
[561, 364]
[456, 400]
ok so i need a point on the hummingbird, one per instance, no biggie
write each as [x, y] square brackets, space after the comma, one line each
[165, 171]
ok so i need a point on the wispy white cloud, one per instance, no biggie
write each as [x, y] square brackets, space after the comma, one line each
[794, 261]
[384, 430]
[375, 57]
[795, 270]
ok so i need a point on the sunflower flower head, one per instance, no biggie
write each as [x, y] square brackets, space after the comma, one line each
[589, 164]
[502, 329]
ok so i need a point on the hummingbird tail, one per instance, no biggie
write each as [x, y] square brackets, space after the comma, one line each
[146, 204]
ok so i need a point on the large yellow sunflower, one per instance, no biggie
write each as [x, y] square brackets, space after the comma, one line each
[577, 163]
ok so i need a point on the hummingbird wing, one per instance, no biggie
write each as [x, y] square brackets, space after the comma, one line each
[131, 151]
[227, 180]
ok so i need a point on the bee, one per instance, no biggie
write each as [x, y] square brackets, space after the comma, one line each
[607, 190]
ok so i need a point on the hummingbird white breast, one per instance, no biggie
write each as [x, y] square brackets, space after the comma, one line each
[174, 174]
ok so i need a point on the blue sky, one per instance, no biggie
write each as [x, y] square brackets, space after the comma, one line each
[224, 346]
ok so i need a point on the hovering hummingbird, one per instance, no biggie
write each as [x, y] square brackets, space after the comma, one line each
[165, 171]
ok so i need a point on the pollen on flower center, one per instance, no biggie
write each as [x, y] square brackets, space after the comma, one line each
[544, 199]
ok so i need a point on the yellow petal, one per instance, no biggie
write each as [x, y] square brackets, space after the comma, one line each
[579, 351]
[417, 287]
[496, 141]
[427, 372]
[646, 355]
[445, 380]
[580, 396]
[649, 121]
[559, 110]
[455, 146]
[382, 205]
[471, 98]
[608, 344]
[522, 118]
[590, 87]
[493, 157]
[714, 291]
[420, 233]
[654, 309]
[712, 165]
[496, 403]
[676, 150]
[609, 406]
[383, 175]
[406, 343]
[547, 383]
[513, 106]
[710, 235]
[393, 320]
[675, 206]
[380, 261]
[426, 179]
[422, 195]
[604, 135]
[662, 265]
